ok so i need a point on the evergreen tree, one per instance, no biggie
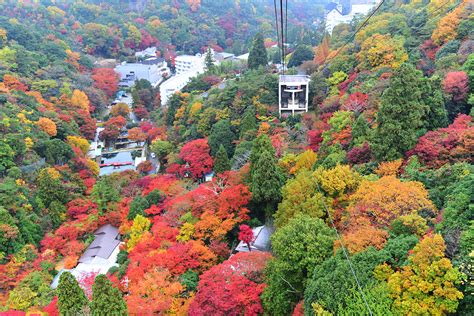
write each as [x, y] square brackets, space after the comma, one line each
[71, 298]
[301, 54]
[360, 130]
[400, 118]
[209, 60]
[266, 179]
[104, 192]
[221, 163]
[106, 299]
[249, 121]
[437, 115]
[138, 206]
[258, 53]
[221, 134]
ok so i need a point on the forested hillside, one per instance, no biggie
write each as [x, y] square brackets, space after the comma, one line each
[368, 196]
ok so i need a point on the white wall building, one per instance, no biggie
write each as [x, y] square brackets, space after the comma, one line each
[174, 84]
[335, 15]
[147, 52]
[293, 94]
[151, 69]
[189, 63]
[99, 257]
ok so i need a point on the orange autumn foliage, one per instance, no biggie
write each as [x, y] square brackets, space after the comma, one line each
[47, 126]
[155, 293]
[136, 134]
[447, 26]
[12, 83]
[389, 168]
[361, 237]
[387, 198]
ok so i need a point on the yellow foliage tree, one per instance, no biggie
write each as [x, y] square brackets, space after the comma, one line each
[300, 196]
[337, 181]
[389, 168]
[80, 100]
[47, 126]
[29, 143]
[186, 232]
[427, 285]
[140, 225]
[304, 161]
[195, 108]
[380, 51]
[93, 167]
[387, 198]
[78, 142]
[120, 109]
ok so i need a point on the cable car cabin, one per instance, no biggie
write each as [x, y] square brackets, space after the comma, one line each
[293, 94]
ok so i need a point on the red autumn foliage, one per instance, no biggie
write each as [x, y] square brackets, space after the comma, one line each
[358, 155]
[78, 207]
[246, 235]
[52, 308]
[357, 102]
[456, 84]
[233, 287]
[140, 112]
[454, 143]
[315, 136]
[106, 79]
[196, 155]
[429, 49]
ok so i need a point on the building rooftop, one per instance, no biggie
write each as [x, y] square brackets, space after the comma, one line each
[261, 240]
[105, 242]
[191, 58]
[152, 61]
[294, 79]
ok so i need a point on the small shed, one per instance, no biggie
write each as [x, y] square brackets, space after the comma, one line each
[261, 241]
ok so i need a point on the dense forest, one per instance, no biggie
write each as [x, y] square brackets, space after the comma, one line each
[369, 195]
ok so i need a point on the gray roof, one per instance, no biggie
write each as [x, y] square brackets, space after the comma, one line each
[294, 79]
[107, 238]
[261, 241]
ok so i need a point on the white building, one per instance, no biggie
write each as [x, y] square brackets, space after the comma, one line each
[151, 69]
[260, 242]
[336, 16]
[175, 84]
[99, 257]
[189, 63]
[148, 52]
[293, 94]
[102, 253]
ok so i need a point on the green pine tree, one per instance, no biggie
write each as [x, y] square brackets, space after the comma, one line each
[209, 60]
[249, 121]
[401, 114]
[71, 298]
[258, 53]
[266, 179]
[106, 299]
[221, 163]
[437, 115]
[301, 54]
[360, 131]
[221, 134]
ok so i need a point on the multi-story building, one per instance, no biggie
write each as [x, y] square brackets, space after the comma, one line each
[188, 63]
[337, 15]
[151, 69]
[293, 94]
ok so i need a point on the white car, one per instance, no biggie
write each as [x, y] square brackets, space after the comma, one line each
[153, 155]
